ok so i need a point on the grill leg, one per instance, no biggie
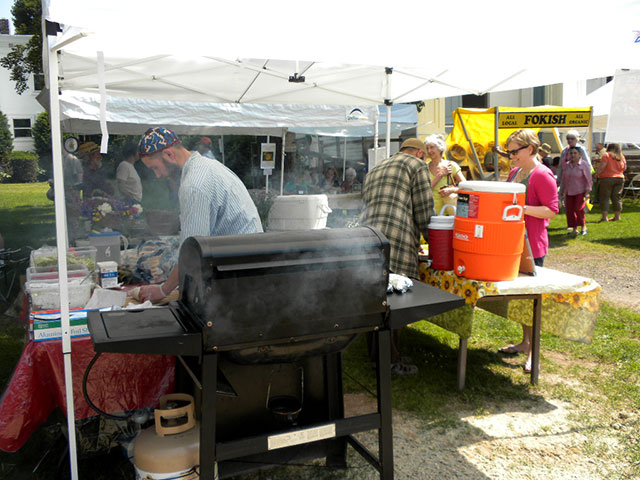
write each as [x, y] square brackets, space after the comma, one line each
[208, 455]
[385, 434]
[337, 451]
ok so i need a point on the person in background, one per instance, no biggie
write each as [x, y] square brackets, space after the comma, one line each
[93, 179]
[350, 184]
[610, 174]
[541, 204]
[545, 155]
[204, 147]
[330, 183]
[127, 178]
[213, 200]
[398, 201]
[573, 138]
[298, 184]
[445, 174]
[575, 189]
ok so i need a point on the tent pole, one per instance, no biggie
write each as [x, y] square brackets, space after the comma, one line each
[556, 135]
[388, 71]
[590, 134]
[62, 244]
[473, 149]
[266, 179]
[496, 162]
[284, 136]
[344, 159]
[376, 133]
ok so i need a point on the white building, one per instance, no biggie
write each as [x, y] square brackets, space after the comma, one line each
[21, 110]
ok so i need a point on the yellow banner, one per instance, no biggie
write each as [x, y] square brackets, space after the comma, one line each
[544, 119]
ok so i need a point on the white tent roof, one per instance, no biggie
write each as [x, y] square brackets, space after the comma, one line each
[246, 51]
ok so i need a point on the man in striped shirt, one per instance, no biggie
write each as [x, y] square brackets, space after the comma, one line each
[398, 201]
[213, 200]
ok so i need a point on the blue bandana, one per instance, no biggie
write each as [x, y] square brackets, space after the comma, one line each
[155, 140]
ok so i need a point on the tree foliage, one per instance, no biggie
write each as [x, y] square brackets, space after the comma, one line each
[6, 147]
[23, 60]
[41, 133]
[6, 139]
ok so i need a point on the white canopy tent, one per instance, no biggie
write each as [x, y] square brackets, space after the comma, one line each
[328, 54]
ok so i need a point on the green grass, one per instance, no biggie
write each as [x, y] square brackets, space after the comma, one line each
[26, 215]
[624, 234]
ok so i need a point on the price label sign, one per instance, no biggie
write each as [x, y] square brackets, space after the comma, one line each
[267, 155]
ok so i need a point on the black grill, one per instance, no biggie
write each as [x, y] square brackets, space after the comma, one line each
[268, 315]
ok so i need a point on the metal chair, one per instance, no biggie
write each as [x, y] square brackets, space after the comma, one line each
[633, 188]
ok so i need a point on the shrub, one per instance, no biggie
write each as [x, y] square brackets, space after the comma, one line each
[24, 166]
[6, 146]
[41, 132]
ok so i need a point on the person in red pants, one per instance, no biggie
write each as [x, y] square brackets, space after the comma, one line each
[575, 189]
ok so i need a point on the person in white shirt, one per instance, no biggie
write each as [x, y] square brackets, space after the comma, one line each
[127, 177]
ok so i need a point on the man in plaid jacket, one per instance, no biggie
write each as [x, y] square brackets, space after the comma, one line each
[398, 201]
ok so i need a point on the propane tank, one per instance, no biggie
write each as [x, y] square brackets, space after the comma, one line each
[170, 449]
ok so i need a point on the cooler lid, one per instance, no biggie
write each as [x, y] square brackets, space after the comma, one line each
[492, 187]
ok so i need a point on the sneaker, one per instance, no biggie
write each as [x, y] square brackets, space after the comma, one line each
[584, 231]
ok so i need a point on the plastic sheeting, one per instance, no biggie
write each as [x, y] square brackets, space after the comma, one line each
[80, 112]
[117, 382]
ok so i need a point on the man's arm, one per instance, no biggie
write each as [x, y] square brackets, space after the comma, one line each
[156, 293]
[422, 199]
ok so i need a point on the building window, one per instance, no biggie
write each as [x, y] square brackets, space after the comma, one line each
[38, 81]
[21, 127]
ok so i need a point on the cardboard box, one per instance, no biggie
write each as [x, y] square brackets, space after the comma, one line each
[46, 325]
[108, 274]
[43, 330]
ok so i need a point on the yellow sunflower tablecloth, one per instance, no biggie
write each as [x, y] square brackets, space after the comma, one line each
[569, 302]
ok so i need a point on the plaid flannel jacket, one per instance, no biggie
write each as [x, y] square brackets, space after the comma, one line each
[398, 201]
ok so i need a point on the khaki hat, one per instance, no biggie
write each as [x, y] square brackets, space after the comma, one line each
[546, 148]
[413, 143]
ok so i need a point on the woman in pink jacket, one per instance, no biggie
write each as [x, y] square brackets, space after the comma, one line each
[541, 204]
[575, 189]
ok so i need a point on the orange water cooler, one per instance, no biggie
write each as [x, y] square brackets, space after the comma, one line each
[488, 233]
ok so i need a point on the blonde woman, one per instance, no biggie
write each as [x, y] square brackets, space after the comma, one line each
[541, 204]
[445, 175]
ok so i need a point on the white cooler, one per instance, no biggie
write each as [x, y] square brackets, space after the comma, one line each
[298, 212]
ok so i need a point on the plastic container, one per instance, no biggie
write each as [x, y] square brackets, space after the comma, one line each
[37, 274]
[107, 246]
[171, 448]
[441, 240]
[45, 294]
[48, 256]
[488, 234]
[299, 212]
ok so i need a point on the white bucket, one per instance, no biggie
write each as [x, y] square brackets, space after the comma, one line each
[299, 212]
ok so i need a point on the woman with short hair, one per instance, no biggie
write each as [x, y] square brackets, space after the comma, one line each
[445, 174]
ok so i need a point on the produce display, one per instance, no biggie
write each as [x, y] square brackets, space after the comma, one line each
[52, 260]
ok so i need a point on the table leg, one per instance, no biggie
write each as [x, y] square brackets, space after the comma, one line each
[385, 434]
[535, 339]
[462, 363]
[209, 380]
